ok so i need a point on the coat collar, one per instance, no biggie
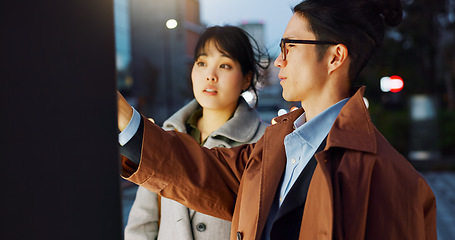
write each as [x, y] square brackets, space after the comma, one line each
[352, 128]
[242, 127]
[178, 119]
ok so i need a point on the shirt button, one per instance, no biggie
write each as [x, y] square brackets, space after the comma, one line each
[293, 161]
[200, 227]
[281, 199]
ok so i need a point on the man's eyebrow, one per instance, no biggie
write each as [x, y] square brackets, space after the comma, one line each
[290, 37]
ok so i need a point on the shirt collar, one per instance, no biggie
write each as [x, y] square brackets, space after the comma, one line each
[316, 129]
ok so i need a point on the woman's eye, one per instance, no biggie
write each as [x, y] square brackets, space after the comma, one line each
[225, 66]
[200, 64]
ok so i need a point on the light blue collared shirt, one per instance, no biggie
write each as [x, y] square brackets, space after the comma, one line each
[131, 129]
[302, 143]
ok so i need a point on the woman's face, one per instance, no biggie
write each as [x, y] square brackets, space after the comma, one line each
[217, 80]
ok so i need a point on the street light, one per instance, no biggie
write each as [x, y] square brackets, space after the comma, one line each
[170, 24]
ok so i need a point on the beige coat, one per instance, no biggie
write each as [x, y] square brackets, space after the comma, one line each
[362, 188]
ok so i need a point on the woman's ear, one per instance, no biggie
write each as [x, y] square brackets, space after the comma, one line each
[247, 80]
[338, 56]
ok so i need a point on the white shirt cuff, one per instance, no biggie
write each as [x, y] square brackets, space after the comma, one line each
[125, 136]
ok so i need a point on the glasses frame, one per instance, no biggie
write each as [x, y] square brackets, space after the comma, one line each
[316, 42]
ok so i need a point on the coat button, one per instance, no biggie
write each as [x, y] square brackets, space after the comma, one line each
[200, 227]
[239, 236]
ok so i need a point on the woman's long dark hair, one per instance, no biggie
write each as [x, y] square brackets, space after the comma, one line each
[240, 46]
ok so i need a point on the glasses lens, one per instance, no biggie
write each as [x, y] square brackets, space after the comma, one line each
[283, 49]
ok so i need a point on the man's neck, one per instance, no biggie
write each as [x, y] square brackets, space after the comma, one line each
[314, 107]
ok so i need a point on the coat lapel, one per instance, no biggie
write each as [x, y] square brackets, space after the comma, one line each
[297, 195]
[273, 162]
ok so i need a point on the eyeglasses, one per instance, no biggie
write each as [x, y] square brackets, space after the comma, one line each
[285, 40]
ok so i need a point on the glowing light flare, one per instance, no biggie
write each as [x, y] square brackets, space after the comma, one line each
[171, 23]
[391, 84]
[367, 103]
[249, 97]
[282, 112]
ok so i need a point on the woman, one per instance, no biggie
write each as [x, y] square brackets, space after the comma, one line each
[225, 65]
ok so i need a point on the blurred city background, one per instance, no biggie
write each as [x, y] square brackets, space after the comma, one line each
[410, 81]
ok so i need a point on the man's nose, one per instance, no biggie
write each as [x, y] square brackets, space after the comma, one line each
[279, 61]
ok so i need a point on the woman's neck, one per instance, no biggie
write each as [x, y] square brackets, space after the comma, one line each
[211, 120]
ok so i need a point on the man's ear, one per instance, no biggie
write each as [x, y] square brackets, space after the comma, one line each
[338, 56]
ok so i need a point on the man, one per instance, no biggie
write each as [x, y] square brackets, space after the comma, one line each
[320, 172]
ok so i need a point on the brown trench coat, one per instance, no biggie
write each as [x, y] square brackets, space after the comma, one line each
[362, 188]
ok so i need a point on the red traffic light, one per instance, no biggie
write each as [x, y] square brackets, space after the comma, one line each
[392, 84]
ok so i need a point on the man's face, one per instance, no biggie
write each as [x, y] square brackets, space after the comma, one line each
[302, 74]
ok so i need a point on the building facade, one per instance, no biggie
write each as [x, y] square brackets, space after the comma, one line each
[157, 79]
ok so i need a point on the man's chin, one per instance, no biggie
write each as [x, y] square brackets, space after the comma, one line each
[289, 98]
[286, 97]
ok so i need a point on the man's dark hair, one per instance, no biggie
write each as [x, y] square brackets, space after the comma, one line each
[357, 24]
